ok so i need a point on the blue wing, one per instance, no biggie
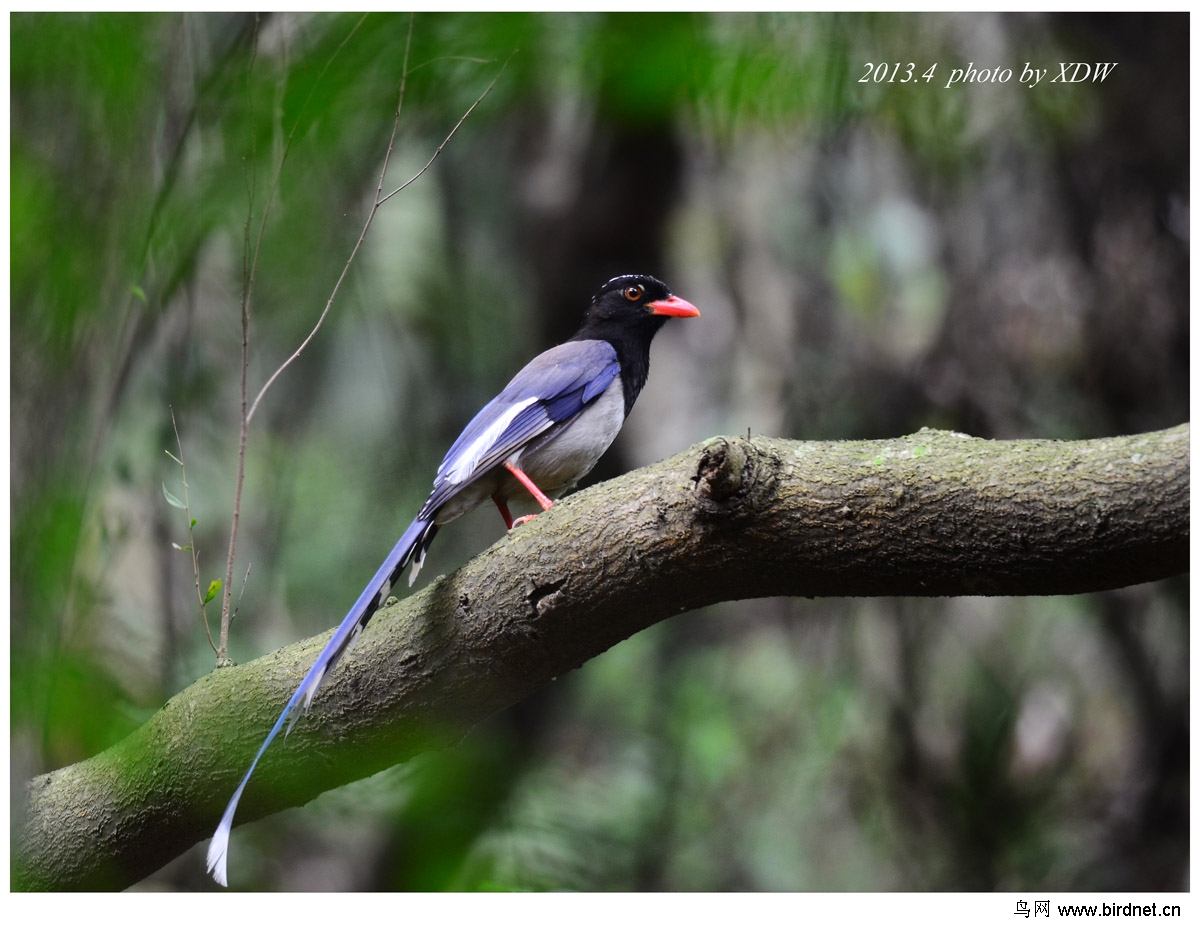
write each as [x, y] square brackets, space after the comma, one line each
[551, 389]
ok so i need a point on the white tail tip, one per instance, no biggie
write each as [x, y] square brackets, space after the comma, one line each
[218, 853]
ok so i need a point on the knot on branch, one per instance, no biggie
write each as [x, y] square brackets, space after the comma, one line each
[725, 472]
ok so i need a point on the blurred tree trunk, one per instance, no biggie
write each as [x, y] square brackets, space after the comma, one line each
[600, 196]
[933, 513]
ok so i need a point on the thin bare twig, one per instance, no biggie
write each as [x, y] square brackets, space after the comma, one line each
[462, 119]
[379, 202]
[357, 245]
[191, 547]
[237, 607]
[250, 264]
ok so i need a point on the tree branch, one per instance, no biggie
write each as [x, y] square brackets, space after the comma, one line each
[933, 513]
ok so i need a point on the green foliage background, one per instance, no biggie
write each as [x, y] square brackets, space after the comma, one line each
[869, 256]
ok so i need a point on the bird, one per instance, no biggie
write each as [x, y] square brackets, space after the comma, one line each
[531, 443]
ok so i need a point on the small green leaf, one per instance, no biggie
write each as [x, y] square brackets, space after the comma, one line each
[173, 456]
[193, 523]
[213, 588]
[138, 293]
[172, 500]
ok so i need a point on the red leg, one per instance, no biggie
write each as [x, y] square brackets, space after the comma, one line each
[502, 507]
[525, 480]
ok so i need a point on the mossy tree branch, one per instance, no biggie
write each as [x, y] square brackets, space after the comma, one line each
[934, 513]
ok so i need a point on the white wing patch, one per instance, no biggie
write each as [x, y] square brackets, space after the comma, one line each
[464, 464]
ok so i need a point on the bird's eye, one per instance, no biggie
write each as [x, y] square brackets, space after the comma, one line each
[634, 292]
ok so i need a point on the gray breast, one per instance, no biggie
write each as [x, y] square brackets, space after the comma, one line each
[567, 453]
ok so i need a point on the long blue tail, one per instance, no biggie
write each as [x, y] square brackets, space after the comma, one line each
[412, 546]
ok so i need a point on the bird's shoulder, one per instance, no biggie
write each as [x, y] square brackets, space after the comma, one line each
[585, 366]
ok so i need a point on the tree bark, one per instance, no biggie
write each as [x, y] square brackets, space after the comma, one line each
[934, 513]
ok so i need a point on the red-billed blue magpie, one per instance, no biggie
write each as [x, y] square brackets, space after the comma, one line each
[534, 440]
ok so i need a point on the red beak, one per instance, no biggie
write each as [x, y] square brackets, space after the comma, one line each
[673, 307]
